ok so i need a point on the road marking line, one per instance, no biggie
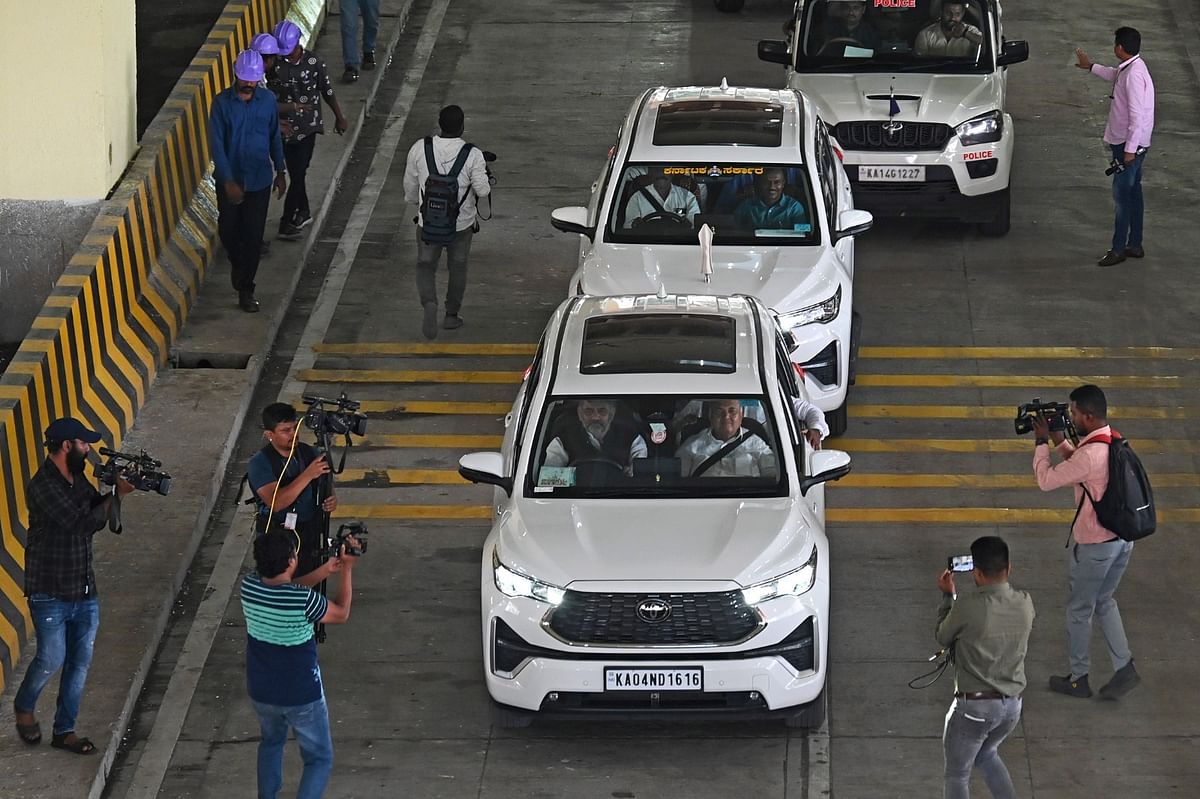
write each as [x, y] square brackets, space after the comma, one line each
[1047, 353]
[1005, 412]
[424, 477]
[1015, 444]
[403, 376]
[395, 348]
[181, 689]
[400, 512]
[981, 515]
[1021, 381]
[447, 441]
[439, 408]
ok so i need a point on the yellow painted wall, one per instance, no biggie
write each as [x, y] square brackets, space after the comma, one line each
[68, 88]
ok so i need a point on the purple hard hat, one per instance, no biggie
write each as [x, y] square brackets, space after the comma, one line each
[287, 34]
[249, 66]
[264, 44]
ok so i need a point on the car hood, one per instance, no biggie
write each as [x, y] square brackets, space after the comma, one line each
[566, 541]
[948, 99]
[783, 278]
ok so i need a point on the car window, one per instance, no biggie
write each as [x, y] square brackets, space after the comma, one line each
[891, 35]
[745, 203]
[828, 173]
[532, 375]
[656, 446]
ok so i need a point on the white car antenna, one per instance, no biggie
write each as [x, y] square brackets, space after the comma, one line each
[662, 290]
[706, 238]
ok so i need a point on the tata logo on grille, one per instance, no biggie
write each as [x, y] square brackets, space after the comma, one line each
[653, 610]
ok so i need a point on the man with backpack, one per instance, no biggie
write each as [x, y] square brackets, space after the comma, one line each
[1099, 556]
[444, 176]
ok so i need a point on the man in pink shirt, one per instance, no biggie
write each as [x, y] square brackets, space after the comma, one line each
[1098, 556]
[1130, 122]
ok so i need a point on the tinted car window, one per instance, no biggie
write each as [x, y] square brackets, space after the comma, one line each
[638, 344]
[707, 122]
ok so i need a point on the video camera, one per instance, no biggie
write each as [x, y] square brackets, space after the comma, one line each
[141, 471]
[342, 419]
[1057, 414]
[1117, 165]
[339, 543]
[489, 157]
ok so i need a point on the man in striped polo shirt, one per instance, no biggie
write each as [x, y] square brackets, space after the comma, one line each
[282, 674]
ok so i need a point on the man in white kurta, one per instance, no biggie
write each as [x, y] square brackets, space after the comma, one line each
[751, 457]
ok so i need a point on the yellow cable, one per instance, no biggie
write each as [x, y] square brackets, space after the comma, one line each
[275, 493]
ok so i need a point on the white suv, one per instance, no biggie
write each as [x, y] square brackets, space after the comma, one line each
[914, 92]
[757, 167]
[658, 546]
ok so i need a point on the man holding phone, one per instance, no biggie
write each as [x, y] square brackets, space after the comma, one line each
[987, 629]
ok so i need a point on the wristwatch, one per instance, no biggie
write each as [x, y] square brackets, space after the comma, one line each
[1037, 442]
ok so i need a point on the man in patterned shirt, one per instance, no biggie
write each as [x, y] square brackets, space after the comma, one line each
[65, 511]
[282, 674]
[300, 81]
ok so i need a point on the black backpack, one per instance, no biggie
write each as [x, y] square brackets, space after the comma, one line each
[441, 200]
[1127, 507]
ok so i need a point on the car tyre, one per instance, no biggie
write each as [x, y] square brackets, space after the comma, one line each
[730, 6]
[1000, 225]
[837, 420]
[510, 718]
[810, 716]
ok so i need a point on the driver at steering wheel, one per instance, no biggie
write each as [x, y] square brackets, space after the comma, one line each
[770, 208]
[726, 449]
[848, 25]
[596, 434]
[660, 200]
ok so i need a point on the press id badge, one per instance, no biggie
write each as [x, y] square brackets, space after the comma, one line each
[289, 520]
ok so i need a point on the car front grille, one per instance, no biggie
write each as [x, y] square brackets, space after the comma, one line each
[911, 136]
[715, 618]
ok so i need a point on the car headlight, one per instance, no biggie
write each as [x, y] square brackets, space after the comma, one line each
[794, 583]
[981, 129]
[513, 583]
[821, 313]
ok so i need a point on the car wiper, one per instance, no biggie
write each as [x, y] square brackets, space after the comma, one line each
[925, 66]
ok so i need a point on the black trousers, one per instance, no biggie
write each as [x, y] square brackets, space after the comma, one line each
[298, 155]
[241, 230]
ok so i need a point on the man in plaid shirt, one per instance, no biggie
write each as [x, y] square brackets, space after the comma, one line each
[65, 511]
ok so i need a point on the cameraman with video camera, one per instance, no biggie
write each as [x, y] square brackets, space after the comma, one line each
[986, 629]
[284, 476]
[65, 511]
[1099, 557]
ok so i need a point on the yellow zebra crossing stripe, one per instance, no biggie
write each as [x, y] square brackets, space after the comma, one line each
[1044, 353]
[1014, 444]
[1021, 381]
[406, 376]
[438, 408]
[1004, 412]
[440, 441]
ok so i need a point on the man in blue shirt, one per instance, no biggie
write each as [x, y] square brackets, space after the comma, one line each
[770, 208]
[244, 141]
[283, 677]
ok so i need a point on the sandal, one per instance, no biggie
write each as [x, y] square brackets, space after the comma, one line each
[72, 743]
[30, 733]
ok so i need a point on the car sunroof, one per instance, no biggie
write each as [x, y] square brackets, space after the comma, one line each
[667, 343]
[704, 122]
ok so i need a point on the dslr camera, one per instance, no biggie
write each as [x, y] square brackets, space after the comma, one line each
[1117, 165]
[339, 542]
[141, 471]
[1058, 414]
[342, 418]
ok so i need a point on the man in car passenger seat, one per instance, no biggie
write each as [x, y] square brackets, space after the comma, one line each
[660, 197]
[770, 208]
[595, 433]
[725, 449]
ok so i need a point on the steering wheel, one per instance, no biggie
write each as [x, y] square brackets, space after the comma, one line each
[842, 40]
[664, 216]
[598, 469]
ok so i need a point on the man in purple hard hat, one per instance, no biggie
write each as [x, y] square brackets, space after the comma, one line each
[245, 143]
[65, 511]
[266, 46]
[300, 80]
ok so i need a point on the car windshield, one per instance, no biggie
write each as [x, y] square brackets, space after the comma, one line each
[894, 35]
[744, 203]
[656, 446]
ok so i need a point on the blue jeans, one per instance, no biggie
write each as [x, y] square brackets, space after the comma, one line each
[1127, 198]
[66, 636]
[974, 730]
[370, 15]
[1096, 571]
[311, 724]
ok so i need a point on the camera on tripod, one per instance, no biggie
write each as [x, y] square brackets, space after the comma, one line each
[342, 419]
[1056, 414]
[339, 542]
[141, 471]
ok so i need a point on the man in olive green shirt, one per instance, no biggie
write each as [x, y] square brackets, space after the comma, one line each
[988, 626]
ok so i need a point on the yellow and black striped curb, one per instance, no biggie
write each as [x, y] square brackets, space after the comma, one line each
[109, 323]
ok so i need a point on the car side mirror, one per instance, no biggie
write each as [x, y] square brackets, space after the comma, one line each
[1013, 52]
[851, 223]
[485, 467]
[827, 464]
[572, 219]
[774, 51]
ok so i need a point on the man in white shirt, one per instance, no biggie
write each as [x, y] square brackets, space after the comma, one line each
[809, 417]
[742, 453]
[949, 36]
[596, 438]
[660, 197]
[473, 183]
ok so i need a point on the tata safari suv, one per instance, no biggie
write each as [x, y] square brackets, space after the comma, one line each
[658, 545]
[756, 167]
[914, 92]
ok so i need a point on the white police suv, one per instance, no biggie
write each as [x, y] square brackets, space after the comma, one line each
[658, 546]
[755, 166]
[914, 92]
